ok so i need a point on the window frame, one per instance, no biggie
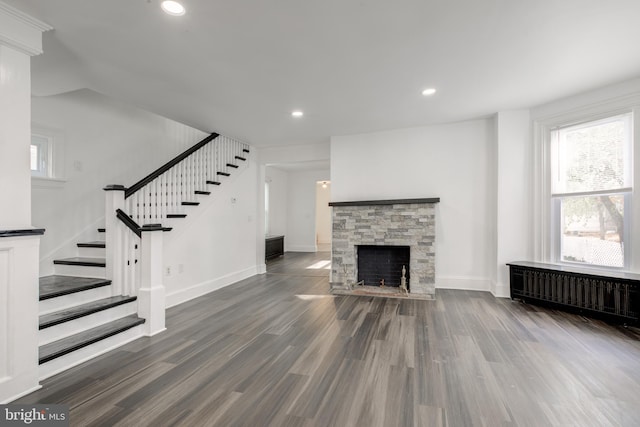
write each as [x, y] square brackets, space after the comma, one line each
[553, 244]
[55, 177]
[44, 155]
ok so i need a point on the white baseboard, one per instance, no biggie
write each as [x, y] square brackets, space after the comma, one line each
[302, 248]
[500, 291]
[463, 283]
[261, 269]
[204, 288]
[21, 394]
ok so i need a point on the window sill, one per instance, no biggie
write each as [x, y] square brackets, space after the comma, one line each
[42, 182]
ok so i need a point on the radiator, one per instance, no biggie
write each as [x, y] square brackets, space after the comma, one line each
[612, 296]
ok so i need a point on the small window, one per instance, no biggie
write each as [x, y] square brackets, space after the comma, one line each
[41, 151]
[591, 191]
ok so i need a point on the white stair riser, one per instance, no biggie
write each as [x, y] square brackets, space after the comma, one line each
[80, 270]
[77, 357]
[63, 330]
[71, 300]
[92, 252]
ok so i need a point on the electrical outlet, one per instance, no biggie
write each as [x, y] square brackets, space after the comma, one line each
[168, 271]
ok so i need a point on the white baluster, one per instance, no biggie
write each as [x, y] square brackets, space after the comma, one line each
[163, 200]
[199, 176]
[174, 188]
[189, 162]
[212, 160]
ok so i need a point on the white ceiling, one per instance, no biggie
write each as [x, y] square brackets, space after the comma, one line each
[240, 67]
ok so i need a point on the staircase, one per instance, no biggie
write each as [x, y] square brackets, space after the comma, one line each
[79, 316]
[82, 312]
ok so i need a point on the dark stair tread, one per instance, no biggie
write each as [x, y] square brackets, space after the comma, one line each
[190, 203]
[67, 345]
[94, 244]
[82, 261]
[176, 215]
[56, 285]
[231, 165]
[79, 311]
[244, 159]
[206, 193]
[245, 150]
[101, 230]
[224, 173]
[213, 182]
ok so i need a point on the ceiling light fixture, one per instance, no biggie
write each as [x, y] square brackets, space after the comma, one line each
[172, 8]
[324, 184]
[428, 92]
[297, 113]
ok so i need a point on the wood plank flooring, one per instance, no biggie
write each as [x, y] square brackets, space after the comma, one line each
[278, 350]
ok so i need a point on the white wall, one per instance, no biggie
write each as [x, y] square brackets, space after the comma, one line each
[450, 161]
[278, 200]
[323, 213]
[301, 210]
[294, 154]
[514, 188]
[295, 189]
[105, 142]
[216, 244]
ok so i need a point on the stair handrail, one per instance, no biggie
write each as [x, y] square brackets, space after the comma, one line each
[171, 163]
[129, 222]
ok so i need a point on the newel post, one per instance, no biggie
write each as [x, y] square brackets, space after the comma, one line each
[151, 298]
[114, 237]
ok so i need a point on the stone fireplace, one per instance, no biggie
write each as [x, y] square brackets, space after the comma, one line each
[394, 223]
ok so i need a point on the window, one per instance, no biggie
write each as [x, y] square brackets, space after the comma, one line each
[591, 191]
[41, 151]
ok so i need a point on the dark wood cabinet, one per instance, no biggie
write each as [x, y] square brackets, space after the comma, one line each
[273, 247]
[613, 296]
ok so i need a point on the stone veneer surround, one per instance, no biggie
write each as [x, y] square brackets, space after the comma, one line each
[408, 222]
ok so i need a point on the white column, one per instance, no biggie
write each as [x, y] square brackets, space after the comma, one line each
[114, 200]
[260, 225]
[513, 201]
[151, 295]
[20, 38]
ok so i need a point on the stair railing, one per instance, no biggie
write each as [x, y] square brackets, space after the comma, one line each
[134, 216]
[164, 191]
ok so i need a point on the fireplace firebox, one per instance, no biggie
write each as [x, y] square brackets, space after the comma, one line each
[376, 263]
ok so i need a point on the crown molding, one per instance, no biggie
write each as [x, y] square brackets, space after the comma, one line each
[25, 18]
[21, 31]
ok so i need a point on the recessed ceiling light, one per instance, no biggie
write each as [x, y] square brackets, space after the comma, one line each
[172, 8]
[297, 113]
[428, 92]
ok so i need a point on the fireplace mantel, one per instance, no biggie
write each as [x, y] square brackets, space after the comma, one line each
[386, 202]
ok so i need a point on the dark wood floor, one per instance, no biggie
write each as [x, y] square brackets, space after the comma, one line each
[278, 350]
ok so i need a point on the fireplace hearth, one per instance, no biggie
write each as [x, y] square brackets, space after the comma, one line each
[408, 223]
